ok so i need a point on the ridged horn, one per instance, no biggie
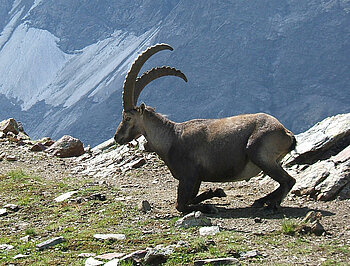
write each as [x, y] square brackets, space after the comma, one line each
[130, 79]
[153, 74]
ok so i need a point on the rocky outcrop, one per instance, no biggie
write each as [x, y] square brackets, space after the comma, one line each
[107, 158]
[12, 130]
[321, 160]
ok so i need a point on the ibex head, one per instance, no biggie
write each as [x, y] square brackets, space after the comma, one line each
[131, 125]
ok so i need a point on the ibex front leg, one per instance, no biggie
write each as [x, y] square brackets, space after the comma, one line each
[209, 194]
[187, 201]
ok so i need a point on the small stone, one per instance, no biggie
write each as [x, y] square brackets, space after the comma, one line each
[49, 243]
[77, 200]
[249, 254]
[193, 219]
[209, 230]
[218, 261]
[25, 238]
[136, 257]
[93, 262]
[49, 142]
[120, 199]
[97, 196]
[65, 196]
[12, 207]
[317, 228]
[312, 216]
[182, 243]
[110, 256]
[11, 158]
[257, 220]
[133, 164]
[38, 147]
[20, 256]
[3, 212]
[110, 236]
[158, 255]
[6, 247]
[145, 206]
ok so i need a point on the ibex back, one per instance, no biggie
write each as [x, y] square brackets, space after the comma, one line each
[214, 150]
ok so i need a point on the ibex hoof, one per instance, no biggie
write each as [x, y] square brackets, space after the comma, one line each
[258, 204]
[273, 208]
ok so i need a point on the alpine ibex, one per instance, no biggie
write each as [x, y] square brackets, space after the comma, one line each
[212, 150]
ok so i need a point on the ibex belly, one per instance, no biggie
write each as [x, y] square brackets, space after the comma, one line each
[230, 174]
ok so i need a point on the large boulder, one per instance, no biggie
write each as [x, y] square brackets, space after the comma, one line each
[67, 146]
[12, 130]
[321, 160]
[9, 125]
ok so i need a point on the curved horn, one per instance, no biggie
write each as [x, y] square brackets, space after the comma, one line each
[153, 74]
[130, 79]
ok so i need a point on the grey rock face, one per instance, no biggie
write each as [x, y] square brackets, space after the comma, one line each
[321, 161]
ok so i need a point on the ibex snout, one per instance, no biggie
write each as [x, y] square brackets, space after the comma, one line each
[118, 139]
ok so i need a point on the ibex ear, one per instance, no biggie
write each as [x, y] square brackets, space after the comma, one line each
[142, 108]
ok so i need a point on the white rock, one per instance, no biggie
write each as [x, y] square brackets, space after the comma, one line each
[209, 230]
[11, 207]
[51, 242]
[3, 212]
[25, 238]
[193, 219]
[110, 256]
[114, 262]
[93, 262]
[20, 256]
[110, 236]
[218, 261]
[6, 247]
[65, 196]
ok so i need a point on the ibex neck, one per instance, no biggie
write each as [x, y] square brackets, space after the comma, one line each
[159, 131]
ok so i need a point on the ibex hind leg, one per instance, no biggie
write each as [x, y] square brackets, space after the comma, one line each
[268, 161]
[286, 182]
[266, 152]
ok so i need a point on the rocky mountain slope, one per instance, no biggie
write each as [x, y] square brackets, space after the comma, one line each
[63, 63]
